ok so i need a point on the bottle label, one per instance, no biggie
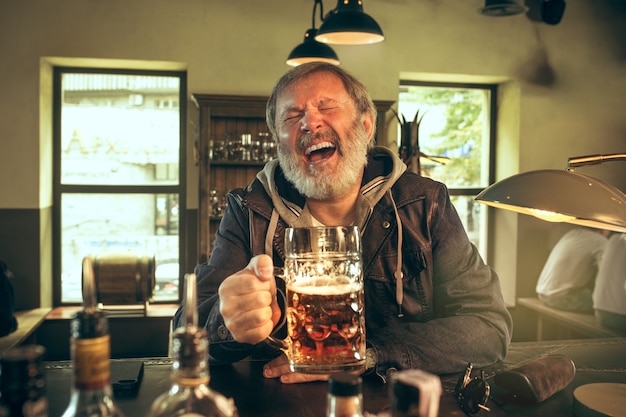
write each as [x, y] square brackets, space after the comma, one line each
[190, 381]
[92, 368]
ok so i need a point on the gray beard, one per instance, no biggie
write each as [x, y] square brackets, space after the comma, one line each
[320, 183]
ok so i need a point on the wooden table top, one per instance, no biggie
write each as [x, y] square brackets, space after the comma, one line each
[597, 360]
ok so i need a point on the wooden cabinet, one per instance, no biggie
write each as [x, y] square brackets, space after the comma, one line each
[222, 116]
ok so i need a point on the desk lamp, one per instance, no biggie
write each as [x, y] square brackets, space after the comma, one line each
[563, 196]
[567, 196]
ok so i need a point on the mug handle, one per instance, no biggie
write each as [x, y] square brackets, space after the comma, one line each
[272, 341]
[276, 343]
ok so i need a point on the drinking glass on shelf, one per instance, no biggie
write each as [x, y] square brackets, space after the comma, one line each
[211, 146]
[246, 144]
[235, 148]
[268, 147]
[256, 152]
[214, 204]
[218, 150]
[223, 204]
[271, 150]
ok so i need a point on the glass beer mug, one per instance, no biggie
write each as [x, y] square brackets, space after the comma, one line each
[324, 300]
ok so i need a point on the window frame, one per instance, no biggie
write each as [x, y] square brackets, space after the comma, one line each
[493, 117]
[59, 189]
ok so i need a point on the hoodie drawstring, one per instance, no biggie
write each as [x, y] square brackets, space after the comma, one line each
[398, 275]
[269, 236]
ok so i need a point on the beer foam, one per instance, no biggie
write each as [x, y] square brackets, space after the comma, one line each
[325, 286]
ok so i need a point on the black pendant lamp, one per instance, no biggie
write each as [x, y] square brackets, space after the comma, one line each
[311, 50]
[347, 24]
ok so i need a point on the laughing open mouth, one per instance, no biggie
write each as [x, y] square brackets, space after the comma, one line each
[319, 151]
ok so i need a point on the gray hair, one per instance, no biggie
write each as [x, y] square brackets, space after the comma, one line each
[356, 90]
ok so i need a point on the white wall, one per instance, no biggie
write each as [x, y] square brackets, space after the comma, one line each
[239, 47]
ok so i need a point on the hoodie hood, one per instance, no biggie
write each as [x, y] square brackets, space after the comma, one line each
[382, 171]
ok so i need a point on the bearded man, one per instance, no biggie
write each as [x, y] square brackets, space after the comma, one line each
[430, 300]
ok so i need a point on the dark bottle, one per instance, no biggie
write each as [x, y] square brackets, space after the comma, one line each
[345, 396]
[91, 392]
[190, 395]
[23, 383]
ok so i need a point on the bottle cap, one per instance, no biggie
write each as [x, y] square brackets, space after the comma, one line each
[190, 348]
[89, 324]
[413, 390]
[345, 385]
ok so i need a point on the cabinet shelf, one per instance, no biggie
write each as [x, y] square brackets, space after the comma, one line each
[224, 115]
[229, 163]
[220, 116]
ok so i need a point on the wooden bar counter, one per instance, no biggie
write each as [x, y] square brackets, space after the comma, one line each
[597, 360]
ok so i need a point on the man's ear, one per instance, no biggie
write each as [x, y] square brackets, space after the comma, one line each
[369, 125]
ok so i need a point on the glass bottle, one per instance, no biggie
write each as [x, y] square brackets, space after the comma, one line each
[345, 396]
[23, 383]
[267, 146]
[256, 151]
[414, 393]
[189, 395]
[90, 349]
[219, 150]
[246, 144]
[214, 204]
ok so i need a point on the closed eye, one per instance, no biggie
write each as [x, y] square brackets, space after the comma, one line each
[292, 116]
[327, 104]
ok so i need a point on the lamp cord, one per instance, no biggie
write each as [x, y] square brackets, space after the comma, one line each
[321, 12]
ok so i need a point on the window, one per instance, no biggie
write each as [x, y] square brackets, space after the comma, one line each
[457, 142]
[119, 173]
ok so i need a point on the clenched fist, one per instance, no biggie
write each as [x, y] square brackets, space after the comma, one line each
[248, 301]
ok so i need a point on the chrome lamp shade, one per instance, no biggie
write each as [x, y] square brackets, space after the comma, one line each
[348, 24]
[560, 196]
[311, 51]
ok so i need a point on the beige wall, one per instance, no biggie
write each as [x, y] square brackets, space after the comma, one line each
[239, 47]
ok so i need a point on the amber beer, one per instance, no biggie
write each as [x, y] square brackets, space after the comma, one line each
[325, 313]
[326, 331]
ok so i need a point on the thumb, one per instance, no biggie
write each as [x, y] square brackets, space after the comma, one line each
[263, 267]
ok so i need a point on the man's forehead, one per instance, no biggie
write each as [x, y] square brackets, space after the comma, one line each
[318, 87]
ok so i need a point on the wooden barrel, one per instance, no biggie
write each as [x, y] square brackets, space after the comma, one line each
[123, 278]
